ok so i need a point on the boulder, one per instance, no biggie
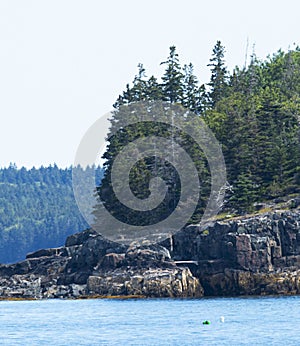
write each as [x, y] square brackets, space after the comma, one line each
[175, 282]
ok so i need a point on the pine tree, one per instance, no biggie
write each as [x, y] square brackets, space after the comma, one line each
[138, 91]
[154, 89]
[218, 79]
[126, 98]
[253, 113]
[245, 193]
[277, 143]
[194, 97]
[172, 87]
[139, 88]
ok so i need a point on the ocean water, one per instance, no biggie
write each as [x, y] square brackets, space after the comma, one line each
[247, 321]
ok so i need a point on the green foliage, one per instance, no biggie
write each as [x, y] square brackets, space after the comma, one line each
[194, 97]
[253, 112]
[172, 86]
[257, 123]
[179, 86]
[218, 79]
[37, 210]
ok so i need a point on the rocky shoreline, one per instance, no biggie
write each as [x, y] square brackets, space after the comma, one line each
[256, 255]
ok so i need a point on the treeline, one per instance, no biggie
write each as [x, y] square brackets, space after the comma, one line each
[256, 119]
[253, 112]
[37, 209]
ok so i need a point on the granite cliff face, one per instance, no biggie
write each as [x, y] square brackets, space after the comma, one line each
[255, 255]
[246, 256]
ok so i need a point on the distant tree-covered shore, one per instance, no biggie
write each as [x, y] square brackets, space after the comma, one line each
[37, 210]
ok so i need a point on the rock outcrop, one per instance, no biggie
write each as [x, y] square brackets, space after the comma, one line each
[257, 255]
[90, 265]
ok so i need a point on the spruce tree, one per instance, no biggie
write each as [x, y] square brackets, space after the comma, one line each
[218, 79]
[194, 97]
[172, 86]
[154, 89]
[253, 113]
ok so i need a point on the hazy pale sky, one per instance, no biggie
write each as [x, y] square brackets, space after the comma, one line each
[64, 62]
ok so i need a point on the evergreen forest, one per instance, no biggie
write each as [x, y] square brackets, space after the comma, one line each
[253, 111]
[37, 209]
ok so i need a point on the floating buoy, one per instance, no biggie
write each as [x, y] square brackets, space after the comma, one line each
[206, 322]
[222, 319]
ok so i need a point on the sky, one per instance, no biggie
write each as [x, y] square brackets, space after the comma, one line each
[63, 63]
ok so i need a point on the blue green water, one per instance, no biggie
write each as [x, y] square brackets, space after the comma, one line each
[247, 321]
